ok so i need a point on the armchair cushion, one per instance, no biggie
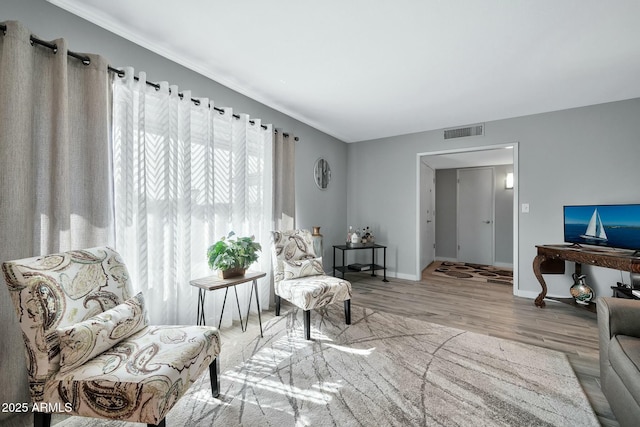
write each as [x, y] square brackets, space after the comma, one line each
[302, 268]
[314, 291]
[291, 245]
[140, 378]
[85, 340]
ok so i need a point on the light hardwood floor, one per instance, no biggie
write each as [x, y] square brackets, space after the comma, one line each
[489, 309]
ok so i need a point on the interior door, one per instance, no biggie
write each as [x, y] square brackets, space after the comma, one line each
[427, 216]
[475, 215]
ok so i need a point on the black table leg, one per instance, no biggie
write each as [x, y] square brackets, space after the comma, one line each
[200, 316]
[235, 288]
[224, 302]
[373, 262]
[255, 286]
[384, 265]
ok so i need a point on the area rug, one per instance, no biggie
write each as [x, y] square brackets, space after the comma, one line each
[468, 271]
[381, 370]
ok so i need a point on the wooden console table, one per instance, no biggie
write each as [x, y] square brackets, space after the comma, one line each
[551, 260]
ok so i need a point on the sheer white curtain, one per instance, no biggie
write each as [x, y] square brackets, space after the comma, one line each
[185, 175]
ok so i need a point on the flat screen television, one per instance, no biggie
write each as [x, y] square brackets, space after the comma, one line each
[614, 226]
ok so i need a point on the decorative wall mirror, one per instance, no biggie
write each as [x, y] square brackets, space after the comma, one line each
[322, 173]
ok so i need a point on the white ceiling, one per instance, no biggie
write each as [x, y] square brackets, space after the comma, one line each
[367, 69]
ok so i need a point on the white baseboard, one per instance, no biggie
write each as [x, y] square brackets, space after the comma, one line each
[379, 274]
[439, 258]
[534, 294]
[526, 294]
[503, 265]
[403, 276]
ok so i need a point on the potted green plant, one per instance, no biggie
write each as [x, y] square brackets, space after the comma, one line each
[232, 255]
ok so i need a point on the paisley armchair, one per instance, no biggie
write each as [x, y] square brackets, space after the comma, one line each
[299, 277]
[90, 350]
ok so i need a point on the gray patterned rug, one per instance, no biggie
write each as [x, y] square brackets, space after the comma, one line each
[382, 370]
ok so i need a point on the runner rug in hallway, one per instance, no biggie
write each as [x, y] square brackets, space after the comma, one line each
[468, 271]
[382, 370]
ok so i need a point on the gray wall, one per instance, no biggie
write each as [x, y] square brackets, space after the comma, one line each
[503, 217]
[314, 207]
[446, 215]
[584, 155]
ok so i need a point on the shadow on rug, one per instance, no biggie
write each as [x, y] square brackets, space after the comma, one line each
[382, 370]
[468, 271]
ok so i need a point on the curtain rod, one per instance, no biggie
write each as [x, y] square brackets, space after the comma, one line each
[120, 73]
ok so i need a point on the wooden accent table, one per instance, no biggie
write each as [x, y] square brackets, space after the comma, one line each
[551, 258]
[211, 283]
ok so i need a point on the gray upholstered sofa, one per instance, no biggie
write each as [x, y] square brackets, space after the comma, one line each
[619, 328]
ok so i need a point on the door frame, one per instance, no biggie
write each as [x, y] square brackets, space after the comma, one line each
[422, 195]
[516, 249]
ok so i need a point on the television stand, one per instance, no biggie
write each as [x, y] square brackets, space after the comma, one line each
[551, 260]
[620, 291]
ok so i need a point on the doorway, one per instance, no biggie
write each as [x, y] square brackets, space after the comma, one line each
[475, 216]
[475, 157]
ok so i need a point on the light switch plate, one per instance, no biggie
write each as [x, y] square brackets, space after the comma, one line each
[525, 208]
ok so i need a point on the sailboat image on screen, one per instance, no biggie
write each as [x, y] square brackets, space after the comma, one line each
[595, 229]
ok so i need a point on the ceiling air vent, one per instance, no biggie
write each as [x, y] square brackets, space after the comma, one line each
[472, 130]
